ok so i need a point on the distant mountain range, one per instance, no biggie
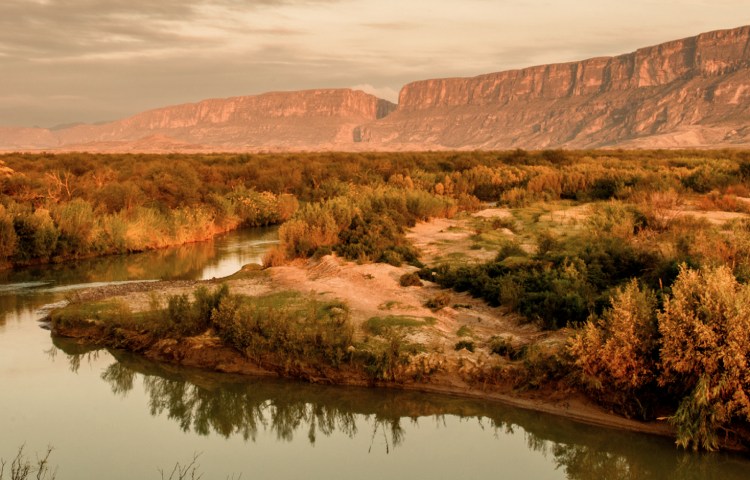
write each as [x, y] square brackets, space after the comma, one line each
[693, 92]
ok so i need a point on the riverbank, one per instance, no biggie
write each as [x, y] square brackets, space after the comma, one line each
[204, 234]
[453, 372]
[374, 296]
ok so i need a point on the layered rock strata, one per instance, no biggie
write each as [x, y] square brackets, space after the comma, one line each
[693, 92]
[690, 92]
[311, 119]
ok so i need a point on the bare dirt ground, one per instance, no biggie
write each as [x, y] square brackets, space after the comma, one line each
[452, 240]
[373, 290]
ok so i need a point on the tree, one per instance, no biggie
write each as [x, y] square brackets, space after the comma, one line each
[705, 328]
[617, 354]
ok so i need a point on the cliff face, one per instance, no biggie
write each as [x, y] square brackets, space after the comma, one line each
[689, 92]
[693, 92]
[281, 120]
[709, 54]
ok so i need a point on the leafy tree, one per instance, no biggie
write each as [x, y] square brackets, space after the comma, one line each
[705, 352]
[617, 353]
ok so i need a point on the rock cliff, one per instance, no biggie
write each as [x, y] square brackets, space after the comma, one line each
[690, 92]
[311, 119]
[693, 92]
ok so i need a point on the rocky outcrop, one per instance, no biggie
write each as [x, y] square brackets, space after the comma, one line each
[693, 92]
[690, 92]
[313, 119]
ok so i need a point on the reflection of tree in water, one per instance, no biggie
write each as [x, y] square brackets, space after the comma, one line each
[582, 462]
[208, 403]
[76, 354]
[591, 453]
[239, 408]
[120, 378]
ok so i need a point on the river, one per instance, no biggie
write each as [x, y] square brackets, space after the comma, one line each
[111, 415]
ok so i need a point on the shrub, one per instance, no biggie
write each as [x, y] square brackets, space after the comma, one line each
[464, 331]
[8, 238]
[313, 226]
[368, 237]
[384, 360]
[504, 347]
[465, 344]
[36, 234]
[76, 222]
[705, 352]
[21, 468]
[186, 318]
[441, 300]
[274, 257]
[410, 280]
[618, 353]
[290, 329]
[382, 325]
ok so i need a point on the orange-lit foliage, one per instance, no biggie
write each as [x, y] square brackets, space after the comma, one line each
[705, 352]
[617, 352]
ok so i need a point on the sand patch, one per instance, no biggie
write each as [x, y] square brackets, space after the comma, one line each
[493, 213]
[714, 217]
[567, 216]
[453, 241]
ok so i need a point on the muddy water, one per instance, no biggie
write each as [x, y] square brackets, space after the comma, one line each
[115, 416]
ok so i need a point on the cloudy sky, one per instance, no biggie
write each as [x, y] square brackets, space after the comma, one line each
[64, 61]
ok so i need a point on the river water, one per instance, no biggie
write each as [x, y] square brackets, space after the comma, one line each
[111, 415]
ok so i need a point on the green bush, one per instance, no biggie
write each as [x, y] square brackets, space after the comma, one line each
[186, 318]
[382, 325]
[36, 236]
[504, 347]
[705, 347]
[291, 329]
[8, 238]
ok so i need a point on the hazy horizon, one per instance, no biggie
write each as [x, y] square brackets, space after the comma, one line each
[83, 61]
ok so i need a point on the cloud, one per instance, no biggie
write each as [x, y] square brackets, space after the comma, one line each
[390, 26]
[59, 28]
[113, 58]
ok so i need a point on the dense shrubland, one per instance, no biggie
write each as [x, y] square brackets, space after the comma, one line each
[656, 301]
[99, 211]
[656, 298]
[57, 207]
[691, 354]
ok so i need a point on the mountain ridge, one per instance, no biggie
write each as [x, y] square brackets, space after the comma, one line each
[692, 92]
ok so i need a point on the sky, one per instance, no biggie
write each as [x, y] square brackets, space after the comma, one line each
[67, 61]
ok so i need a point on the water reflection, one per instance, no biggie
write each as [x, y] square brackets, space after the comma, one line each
[186, 262]
[205, 403]
[24, 290]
